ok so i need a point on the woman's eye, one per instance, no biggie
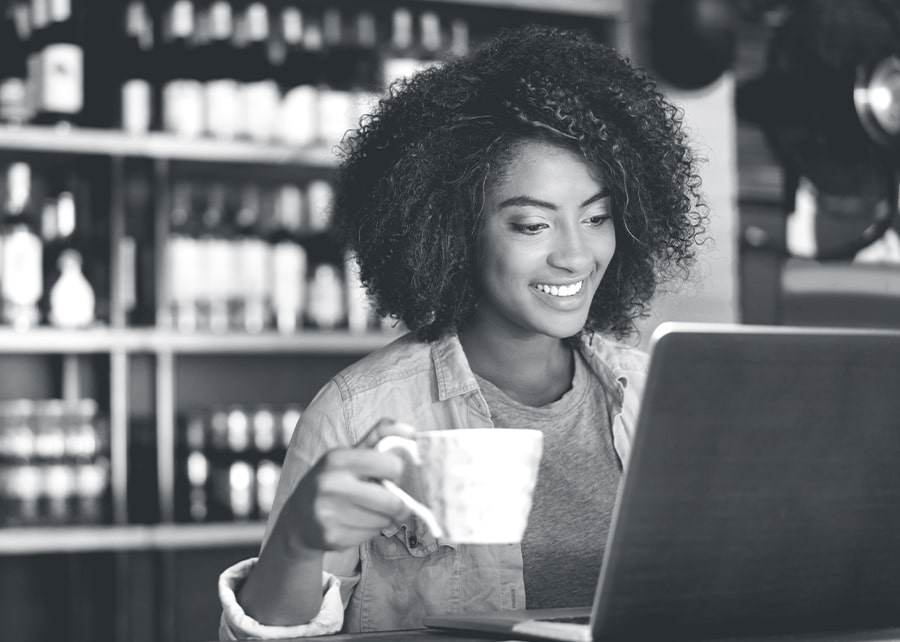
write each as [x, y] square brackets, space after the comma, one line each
[529, 228]
[599, 220]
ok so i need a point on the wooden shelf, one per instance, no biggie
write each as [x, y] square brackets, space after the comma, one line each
[103, 142]
[596, 8]
[103, 340]
[84, 539]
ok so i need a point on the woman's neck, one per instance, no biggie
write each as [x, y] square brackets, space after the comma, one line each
[533, 370]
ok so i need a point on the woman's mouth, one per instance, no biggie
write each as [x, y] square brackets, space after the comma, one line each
[561, 291]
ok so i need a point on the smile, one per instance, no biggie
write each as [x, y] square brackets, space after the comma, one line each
[560, 290]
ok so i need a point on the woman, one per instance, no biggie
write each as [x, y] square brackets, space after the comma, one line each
[516, 209]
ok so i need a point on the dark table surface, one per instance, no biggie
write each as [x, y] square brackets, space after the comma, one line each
[430, 635]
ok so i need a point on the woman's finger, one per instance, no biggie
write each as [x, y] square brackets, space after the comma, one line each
[364, 463]
[347, 490]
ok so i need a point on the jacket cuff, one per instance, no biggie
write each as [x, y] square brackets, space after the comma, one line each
[235, 624]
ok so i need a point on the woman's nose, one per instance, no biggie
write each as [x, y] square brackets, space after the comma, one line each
[570, 251]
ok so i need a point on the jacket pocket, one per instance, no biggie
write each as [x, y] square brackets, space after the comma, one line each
[407, 539]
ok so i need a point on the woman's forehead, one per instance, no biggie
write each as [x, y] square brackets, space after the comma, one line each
[535, 163]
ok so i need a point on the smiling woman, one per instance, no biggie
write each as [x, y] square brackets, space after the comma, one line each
[516, 209]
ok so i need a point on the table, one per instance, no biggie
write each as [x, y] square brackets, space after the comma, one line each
[431, 635]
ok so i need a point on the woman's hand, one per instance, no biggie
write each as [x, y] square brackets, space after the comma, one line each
[340, 503]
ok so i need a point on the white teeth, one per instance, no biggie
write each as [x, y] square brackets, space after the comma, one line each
[561, 290]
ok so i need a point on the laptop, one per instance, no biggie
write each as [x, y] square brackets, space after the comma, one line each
[761, 497]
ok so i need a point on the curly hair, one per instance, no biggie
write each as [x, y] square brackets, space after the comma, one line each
[410, 188]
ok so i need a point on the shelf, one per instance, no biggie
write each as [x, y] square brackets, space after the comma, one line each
[596, 8]
[102, 142]
[103, 340]
[806, 277]
[85, 539]
[333, 342]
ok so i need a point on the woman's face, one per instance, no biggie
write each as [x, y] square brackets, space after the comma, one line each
[547, 240]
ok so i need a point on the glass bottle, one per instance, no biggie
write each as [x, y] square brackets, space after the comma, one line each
[249, 309]
[288, 259]
[137, 91]
[22, 255]
[259, 96]
[222, 91]
[325, 309]
[13, 70]
[218, 265]
[56, 63]
[182, 92]
[182, 261]
[297, 75]
[72, 298]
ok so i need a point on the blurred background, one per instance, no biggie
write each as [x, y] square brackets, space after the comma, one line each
[171, 297]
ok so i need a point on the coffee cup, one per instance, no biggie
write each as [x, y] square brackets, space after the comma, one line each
[477, 483]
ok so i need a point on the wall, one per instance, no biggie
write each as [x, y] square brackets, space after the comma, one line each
[711, 294]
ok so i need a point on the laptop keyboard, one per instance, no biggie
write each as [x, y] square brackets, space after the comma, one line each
[578, 619]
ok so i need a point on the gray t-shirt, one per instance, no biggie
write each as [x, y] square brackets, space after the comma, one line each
[576, 490]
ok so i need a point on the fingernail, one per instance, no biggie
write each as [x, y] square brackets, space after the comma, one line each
[405, 427]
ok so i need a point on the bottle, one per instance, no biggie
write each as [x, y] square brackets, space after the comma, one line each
[400, 60]
[137, 99]
[56, 64]
[320, 195]
[412, 49]
[459, 37]
[335, 98]
[13, 70]
[71, 297]
[22, 256]
[182, 93]
[59, 220]
[249, 309]
[359, 309]
[288, 259]
[193, 474]
[259, 96]
[289, 419]
[267, 475]
[365, 79]
[297, 76]
[326, 298]
[221, 90]
[218, 264]
[182, 261]
[91, 487]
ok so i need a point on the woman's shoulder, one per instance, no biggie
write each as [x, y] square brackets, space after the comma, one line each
[402, 358]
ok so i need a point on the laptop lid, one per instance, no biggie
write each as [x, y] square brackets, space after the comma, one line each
[762, 494]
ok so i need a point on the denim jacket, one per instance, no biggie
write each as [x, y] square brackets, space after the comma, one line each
[395, 579]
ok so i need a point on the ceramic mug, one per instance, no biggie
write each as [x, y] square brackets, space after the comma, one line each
[478, 483]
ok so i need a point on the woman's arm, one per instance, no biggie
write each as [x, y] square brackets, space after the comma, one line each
[285, 586]
[336, 505]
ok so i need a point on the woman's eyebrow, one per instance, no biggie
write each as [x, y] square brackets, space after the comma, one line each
[603, 193]
[520, 201]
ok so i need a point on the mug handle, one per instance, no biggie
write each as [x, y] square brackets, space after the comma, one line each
[418, 508]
